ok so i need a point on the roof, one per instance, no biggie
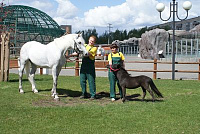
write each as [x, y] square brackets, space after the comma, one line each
[28, 23]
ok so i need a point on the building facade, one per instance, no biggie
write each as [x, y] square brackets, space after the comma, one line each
[180, 25]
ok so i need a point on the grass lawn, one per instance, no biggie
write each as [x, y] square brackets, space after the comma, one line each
[177, 113]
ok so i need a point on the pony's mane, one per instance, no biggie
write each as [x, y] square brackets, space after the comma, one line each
[125, 72]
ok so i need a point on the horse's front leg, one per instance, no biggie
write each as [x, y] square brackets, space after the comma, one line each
[124, 94]
[55, 73]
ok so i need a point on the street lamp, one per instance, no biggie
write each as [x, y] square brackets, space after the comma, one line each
[173, 9]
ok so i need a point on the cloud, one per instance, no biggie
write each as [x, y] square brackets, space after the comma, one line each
[42, 5]
[102, 15]
[133, 14]
[66, 9]
[129, 15]
[46, 6]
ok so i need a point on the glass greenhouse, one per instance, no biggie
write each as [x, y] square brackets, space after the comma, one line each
[27, 24]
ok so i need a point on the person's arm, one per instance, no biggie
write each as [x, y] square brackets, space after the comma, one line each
[109, 59]
[92, 52]
[122, 59]
[71, 55]
[110, 62]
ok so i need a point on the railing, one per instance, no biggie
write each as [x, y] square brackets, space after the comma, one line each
[100, 66]
[183, 47]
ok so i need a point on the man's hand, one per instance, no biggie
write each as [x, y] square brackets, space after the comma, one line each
[71, 55]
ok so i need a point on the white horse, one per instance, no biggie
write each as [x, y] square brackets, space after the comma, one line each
[51, 55]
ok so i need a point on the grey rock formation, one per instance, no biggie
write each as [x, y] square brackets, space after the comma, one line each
[130, 40]
[152, 43]
[195, 29]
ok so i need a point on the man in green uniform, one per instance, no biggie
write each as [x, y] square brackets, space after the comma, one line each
[114, 57]
[87, 71]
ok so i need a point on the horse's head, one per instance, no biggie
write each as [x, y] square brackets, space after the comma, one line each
[79, 44]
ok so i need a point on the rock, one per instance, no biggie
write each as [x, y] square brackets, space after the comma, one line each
[152, 42]
[195, 29]
[179, 34]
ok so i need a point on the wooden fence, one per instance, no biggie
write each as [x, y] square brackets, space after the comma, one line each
[4, 56]
[100, 66]
[155, 67]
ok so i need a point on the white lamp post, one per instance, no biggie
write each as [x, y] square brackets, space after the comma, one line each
[173, 9]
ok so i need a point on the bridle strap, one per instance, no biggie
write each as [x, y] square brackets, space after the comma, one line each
[114, 70]
[76, 48]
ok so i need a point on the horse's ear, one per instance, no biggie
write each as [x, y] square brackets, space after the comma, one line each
[108, 66]
[80, 34]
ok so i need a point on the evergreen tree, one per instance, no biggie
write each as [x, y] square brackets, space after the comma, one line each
[117, 35]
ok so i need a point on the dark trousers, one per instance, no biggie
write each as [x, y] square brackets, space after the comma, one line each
[88, 73]
[113, 80]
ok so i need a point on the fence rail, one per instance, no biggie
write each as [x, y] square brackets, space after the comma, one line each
[100, 66]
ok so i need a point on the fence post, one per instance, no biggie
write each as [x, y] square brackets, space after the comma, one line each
[77, 67]
[4, 56]
[7, 56]
[155, 69]
[199, 71]
[41, 71]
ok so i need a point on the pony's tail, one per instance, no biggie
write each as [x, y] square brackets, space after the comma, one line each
[155, 89]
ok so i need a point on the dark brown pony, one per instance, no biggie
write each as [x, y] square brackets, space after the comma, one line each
[127, 81]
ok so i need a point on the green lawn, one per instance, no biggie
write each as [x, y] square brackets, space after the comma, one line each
[177, 113]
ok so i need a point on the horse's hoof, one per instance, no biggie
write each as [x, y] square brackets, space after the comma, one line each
[21, 91]
[35, 91]
[57, 99]
[53, 95]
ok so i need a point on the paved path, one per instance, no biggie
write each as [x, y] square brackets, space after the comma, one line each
[149, 66]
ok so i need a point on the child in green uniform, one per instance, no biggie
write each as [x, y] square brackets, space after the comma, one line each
[114, 57]
[87, 71]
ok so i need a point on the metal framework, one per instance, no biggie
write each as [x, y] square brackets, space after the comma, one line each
[29, 24]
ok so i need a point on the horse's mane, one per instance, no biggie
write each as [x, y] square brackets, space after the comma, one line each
[60, 38]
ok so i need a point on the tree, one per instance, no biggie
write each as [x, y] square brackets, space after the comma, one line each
[116, 35]
[88, 33]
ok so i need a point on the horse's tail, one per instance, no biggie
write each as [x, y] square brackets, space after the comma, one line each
[155, 89]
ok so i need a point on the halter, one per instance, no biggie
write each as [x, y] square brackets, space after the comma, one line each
[114, 70]
[76, 48]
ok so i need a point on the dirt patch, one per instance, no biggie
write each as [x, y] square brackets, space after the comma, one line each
[102, 100]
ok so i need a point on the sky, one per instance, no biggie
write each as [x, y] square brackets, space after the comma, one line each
[121, 14]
